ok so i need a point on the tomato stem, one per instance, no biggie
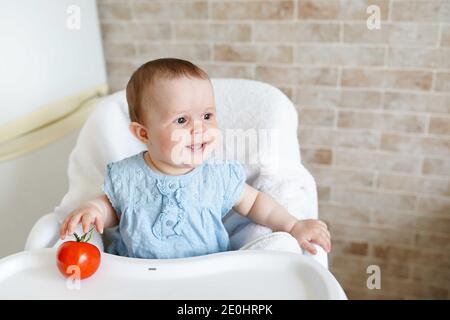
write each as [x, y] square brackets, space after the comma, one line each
[83, 237]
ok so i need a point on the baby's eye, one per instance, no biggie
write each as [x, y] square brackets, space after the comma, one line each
[208, 116]
[181, 120]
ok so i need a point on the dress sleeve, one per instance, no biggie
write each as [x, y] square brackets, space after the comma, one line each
[234, 177]
[108, 187]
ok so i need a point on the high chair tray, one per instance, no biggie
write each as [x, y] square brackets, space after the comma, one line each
[243, 274]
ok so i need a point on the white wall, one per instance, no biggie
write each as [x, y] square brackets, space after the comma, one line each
[41, 61]
[31, 186]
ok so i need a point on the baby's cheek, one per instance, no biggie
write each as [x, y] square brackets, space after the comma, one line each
[173, 150]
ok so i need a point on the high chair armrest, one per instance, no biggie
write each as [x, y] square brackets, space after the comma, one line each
[44, 233]
[321, 256]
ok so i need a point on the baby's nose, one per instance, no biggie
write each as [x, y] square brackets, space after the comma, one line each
[197, 128]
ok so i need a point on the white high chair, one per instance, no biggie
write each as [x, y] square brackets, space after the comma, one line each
[241, 104]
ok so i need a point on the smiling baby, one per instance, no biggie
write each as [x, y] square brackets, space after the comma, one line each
[169, 200]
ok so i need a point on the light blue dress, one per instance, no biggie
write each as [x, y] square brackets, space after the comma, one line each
[163, 216]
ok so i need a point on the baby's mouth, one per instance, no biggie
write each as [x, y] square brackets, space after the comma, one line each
[197, 147]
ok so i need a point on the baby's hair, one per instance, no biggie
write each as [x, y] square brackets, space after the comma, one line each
[138, 87]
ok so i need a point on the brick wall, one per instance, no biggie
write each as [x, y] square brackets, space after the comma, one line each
[374, 110]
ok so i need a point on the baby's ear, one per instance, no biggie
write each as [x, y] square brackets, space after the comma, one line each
[139, 132]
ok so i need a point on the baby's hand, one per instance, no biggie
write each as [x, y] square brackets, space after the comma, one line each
[89, 213]
[312, 231]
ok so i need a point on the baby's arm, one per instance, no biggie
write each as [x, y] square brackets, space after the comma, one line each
[98, 211]
[263, 209]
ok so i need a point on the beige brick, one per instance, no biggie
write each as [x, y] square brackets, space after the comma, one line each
[119, 50]
[317, 76]
[349, 56]
[227, 71]
[362, 78]
[413, 290]
[377, 160]
[298, 32]
[343, 213]
[322, 9]
[351, 247]
[351, 285]
[418, 10]
[317, 156]
[352, 119]
[436, 166]
[426, 102]
[431, 275]
[114, 11]
[398, 79]
[212, 31]
[413, 34]
[360, 99]
[119, 69]
[442, 81]
[437, 187]
[288, 91]
[170, 10]
[300, 75]
[370, 234]
[317, 97]
[253, 53]
[189, 51]
[348, 178]
[323, 193]
[353, 288]
[404, 123]
[436, 207]
[360, 264]
[433, 224]
[374, 199]
[379, 121]
[339, 9]
[113, 31]
[315, 137]
[117, 83]
[149, 31]
[400, 182]
[257, 10]
[355, 269]
[418, 58]
[316, 117]
[432, 240]
[416, 145]
[392, 34]
[407, 183]
[399, 220]
[360, 139]
[276, 74]
[359, 33]
[440, 125]
[445, 36]
[394, 253]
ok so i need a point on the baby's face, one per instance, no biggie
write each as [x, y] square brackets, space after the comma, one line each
[181, 123]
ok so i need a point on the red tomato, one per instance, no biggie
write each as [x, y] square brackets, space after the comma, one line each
[78, 255]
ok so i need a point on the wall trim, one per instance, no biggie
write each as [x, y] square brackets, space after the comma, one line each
[49, 123]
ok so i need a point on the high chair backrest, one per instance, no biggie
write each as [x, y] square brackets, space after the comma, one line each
[245, 108]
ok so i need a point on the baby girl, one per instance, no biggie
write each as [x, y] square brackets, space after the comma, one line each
[169, 200]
